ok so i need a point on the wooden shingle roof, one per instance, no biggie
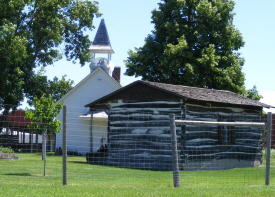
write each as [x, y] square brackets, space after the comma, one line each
[193, 93]
[204, 94]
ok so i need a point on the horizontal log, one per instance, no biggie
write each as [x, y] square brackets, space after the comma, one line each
[140, 137]
[225, 109]
[248, 130]
[141, 159]
[138, 124]
[141, 165]
[245, 137]
[198, 135]
[145, 111]
[205, 123]
[220, 115]
[219, 149]
[255, 143]
[190, 128]
[226, 155]
[201, 143]
[126, 118]
[128, 152]
[209, 135]
[116, 130]
[148, 105]
[160, 146]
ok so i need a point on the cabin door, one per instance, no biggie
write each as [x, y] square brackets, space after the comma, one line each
[100, 134]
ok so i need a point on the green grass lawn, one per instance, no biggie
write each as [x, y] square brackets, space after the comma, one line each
[24, 177]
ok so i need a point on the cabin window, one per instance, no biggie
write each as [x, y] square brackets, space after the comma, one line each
[226, 134]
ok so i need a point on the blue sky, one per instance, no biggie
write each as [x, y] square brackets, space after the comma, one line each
[129, 22]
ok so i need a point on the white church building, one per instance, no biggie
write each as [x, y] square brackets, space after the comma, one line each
[103, 79]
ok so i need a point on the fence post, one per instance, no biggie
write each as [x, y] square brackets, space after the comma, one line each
[43, 145]
[31, 140]
[91, 132]
[64, 145]
[174, 150]
[268, 147]
[44, 150]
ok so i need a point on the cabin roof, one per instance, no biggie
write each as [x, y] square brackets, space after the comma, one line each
[193, 93]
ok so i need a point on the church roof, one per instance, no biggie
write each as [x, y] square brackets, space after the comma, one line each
[101, 42]
[86, 79]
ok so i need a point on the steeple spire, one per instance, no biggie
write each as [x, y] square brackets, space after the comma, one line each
[102, 42]
[102, 45]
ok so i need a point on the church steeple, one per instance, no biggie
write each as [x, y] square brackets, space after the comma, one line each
[102, 45]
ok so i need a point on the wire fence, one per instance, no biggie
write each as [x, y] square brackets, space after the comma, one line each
[228, 149]
[133, 148]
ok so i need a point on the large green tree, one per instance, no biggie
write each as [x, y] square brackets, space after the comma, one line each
[194, 43]
[31, 34]
[253, 94]
[41, 85]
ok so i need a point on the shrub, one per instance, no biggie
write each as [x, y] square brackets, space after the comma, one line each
[272, 153]
[6, 152]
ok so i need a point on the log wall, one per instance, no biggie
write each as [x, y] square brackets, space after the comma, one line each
[202, 148]
[139, 136]
[139, 133]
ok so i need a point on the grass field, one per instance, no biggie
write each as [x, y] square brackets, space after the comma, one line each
[24, 177]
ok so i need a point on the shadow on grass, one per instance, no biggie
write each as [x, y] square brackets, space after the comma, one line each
[91, 163]
[80, 162]
[48, 154]
[104, 164]
[18, 174]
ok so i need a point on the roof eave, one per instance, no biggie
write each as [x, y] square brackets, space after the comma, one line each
[261, 105]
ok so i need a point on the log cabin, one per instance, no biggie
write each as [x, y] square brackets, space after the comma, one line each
[139, 133]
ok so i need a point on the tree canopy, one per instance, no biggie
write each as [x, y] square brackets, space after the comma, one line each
[43, 119]
[194, 43]
[43, 116]
[32, 32]
[41, 85]
[253, 94]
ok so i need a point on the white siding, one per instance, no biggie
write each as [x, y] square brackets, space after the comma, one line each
[94, 86]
